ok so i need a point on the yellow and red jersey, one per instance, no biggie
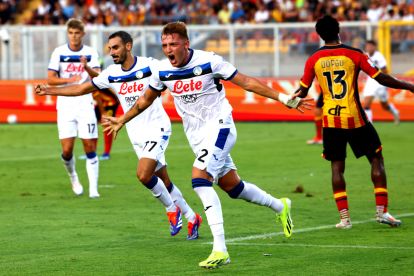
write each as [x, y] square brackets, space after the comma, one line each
[337, 68]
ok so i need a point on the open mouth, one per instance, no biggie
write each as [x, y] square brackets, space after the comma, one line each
[171, 58]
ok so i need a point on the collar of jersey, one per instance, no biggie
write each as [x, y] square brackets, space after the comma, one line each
[189, 59]
[74, 50]
[135, 62]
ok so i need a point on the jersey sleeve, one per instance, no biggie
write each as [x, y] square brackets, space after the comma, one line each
[368, 66]
[54, 63]
[154, 82]
[308, 74]
[221, 68]
[102, 80]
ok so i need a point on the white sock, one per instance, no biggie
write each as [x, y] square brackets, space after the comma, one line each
[393, 110]
[179, 200]
[71, 170]
[212, 209]
[92, 168]
[254, 194]
[160, 192]
[369, 114]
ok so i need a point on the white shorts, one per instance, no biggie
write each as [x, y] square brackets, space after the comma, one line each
[153, 146]
[77, 124]
[377, 91]
[213, 152]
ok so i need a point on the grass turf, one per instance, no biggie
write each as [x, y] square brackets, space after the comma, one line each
[46, 230]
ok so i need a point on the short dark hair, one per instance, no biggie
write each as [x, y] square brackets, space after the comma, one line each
[327, 28]
[124, 36]
[372, 42]
[175, 28]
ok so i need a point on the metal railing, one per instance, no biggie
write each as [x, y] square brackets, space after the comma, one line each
[259, 50]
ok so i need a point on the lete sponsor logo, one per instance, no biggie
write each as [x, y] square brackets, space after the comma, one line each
[184, 87]
[126, 88]
[74, 68]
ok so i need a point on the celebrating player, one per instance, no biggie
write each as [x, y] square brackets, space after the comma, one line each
[193, 78]
[149, 133]
[75, 115]
[336, 66]
[373, 88]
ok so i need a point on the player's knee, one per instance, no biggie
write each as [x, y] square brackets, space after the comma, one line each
[144, 177]
[67, 155]
[236, 190]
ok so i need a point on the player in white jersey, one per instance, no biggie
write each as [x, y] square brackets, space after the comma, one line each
[149, 134]
[75, 115]
[373, 89]
[193, 78]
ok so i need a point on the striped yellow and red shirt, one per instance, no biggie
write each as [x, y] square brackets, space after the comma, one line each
[337, 68]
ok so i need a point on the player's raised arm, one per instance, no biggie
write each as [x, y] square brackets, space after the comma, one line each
[390, 81]
[72, 90]
[252, 84]
[92, 72]
[114, 124]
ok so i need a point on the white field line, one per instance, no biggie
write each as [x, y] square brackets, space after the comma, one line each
[341, 246]
[303, 230]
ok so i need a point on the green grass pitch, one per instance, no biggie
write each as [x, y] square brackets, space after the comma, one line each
[46, 230]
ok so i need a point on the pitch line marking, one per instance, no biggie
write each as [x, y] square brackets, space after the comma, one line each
[303, 230]
[342, 246]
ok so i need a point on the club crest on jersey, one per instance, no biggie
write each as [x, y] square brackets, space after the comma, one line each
[197, 71]
[139, 74]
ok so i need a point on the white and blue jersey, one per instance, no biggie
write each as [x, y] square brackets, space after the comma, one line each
[66, 63]
[200, 100]
[75, 115]
[151, 126]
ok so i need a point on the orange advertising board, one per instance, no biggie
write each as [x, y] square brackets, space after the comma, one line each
[19, 103]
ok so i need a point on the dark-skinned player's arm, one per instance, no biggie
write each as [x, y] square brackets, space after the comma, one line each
[114, 124]
[390, 81]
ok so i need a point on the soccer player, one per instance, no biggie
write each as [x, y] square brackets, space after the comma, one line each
[373, 88]
[149, 133]
[336, 66]
[193, 78]
[317, 140]
[75, 115]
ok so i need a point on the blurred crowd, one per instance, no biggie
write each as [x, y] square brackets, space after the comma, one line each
[156, 12]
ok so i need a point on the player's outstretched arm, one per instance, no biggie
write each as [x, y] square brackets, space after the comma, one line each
[390, 81]
[114, 124]
[73, 90]
[254, 85]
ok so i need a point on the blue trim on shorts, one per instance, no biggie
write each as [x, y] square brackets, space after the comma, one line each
[165, 137]
[222, 137]
[201, 182]
[236, 191]
[91, 155]
[153, 181]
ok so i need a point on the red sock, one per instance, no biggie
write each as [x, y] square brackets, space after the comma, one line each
[108, 142]
[381, 197]
[318, 125]
[341, 200]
